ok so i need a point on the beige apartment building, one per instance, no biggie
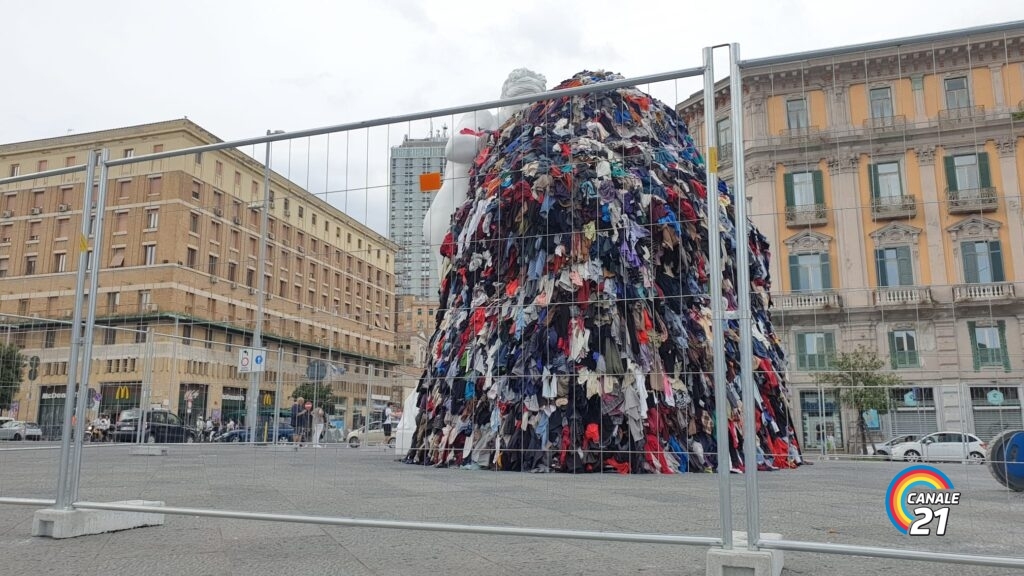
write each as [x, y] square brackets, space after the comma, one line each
[415, 319]
[888, 183]
[177, 287]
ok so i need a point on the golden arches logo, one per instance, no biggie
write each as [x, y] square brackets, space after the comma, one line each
[267, 400]
[123, 393]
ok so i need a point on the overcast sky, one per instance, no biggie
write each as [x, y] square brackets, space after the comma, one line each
[238, 68]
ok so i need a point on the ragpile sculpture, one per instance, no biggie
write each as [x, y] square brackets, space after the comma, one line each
[574, 326]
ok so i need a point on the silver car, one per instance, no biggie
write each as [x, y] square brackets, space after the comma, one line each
[20, 430]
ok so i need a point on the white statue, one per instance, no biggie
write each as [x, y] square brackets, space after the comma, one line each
[463, 148]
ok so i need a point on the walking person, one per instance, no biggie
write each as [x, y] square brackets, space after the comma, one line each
[319, 421]
[296, 409]
[388, 415]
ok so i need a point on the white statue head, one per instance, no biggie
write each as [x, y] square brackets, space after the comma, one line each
[520, 81]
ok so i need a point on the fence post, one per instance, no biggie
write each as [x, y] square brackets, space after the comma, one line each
[76, 327]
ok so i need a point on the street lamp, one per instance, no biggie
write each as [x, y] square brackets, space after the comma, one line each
[257, 333]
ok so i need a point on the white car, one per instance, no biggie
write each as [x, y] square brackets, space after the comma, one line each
[374, 437]
[885, 448]
[948, 446]
[18, 430]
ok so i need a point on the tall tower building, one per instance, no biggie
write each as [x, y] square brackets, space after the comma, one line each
[415, 264]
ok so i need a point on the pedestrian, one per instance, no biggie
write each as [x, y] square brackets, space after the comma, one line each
[200, 426]
[208, 430]
[294, 421]
[388, 414]
[319, 421]
[303, 421]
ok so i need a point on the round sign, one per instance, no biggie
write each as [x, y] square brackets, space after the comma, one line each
[309, 405]
[995, 397]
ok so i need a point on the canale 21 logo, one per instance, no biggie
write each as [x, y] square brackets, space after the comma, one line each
[918, 501]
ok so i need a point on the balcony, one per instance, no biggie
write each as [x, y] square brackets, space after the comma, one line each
[986, 291]
[808, 301]
[899, 295]
[894, 207]
[954, 117]
[972, 200]
[806, 215]
[884, 124]
[795, 135]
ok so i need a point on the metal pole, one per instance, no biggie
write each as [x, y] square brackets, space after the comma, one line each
[821, 420]
[277, 389]
[717, 332]
[369, 397]
[76, 327]
[90, 328]
[147, 381]
[750, 403]
[257, 333]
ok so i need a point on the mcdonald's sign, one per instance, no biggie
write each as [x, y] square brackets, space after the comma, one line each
[267, 400]
[123, 393]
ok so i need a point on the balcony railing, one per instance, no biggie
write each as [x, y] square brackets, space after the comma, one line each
[886, 123]
[972, 200]
[962, 115]
[800, 134]
[897, 295]
[808, 301]
[894, 207]
[986, 291]
[806, 215]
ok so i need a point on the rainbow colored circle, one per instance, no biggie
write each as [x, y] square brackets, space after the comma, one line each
[910, 479]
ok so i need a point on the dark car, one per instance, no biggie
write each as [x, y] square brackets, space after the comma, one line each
[284, 434]
[158, 426]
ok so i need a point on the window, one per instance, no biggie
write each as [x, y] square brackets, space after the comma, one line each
[301, 211]
[894, 266]
[218, 168]
[50, 339]
[15, 170]
[881, 102]
[186, 334]
[193, 223]
[149, 254]
[60, 262]
[988, 345]
[232, 272]
[30, 265]
[903, 349]
[815, 350]
[152, 218]
[117, 258]
[41, 166]
[113, 301]
[211, 268]
[109, 336]
[140, 333]
[810, 272]
[724, 127]
[155, 185]
[250, 276]
[121, 222]
[796, 114]
[192, 258]
[314, 219]
[886, 182]
[804, 189]
[196, 188]
[956, 93]
[983, 262]
[4, 266]
[968, 172]
[128, 153]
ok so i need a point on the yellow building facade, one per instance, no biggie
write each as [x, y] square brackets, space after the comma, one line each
[177, 287]
[889, 185]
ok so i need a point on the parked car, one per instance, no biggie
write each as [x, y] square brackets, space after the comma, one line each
[375, 435]
[159, 426]
[19, 430]
[885, 448]
[284, 434]
[948, 446]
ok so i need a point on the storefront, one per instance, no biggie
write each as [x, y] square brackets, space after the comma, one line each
[821, 419]
[51, 411]
[116, 397]
[995, 408]
[912, 411]
[232, 402]
[192, 402]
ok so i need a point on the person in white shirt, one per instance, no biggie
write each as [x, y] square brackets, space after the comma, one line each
[388, 412]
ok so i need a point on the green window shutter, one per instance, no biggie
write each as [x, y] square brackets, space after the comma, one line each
[970, 262]
[971, 327]
[950, 172]
[883, 279]
[892, 350]
[995, 255]
[905, 265]
[984, 174]
[788, 182]
[1001, 326]
[826, 272]
[794, 273]
[830, 349]
[801, 352]
[873, 177]
[819, 187]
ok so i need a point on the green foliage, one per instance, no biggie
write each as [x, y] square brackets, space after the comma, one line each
[12, 364]
[322, 393]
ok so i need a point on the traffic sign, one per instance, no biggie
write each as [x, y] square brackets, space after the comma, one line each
[252, 360]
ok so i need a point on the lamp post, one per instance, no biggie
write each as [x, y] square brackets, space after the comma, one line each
[261, 290]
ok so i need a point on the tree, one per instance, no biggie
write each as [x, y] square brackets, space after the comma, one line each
[321, 394]
[12, 363]
[862, 384]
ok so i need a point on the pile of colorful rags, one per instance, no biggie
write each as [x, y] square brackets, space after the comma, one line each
[574, 328]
